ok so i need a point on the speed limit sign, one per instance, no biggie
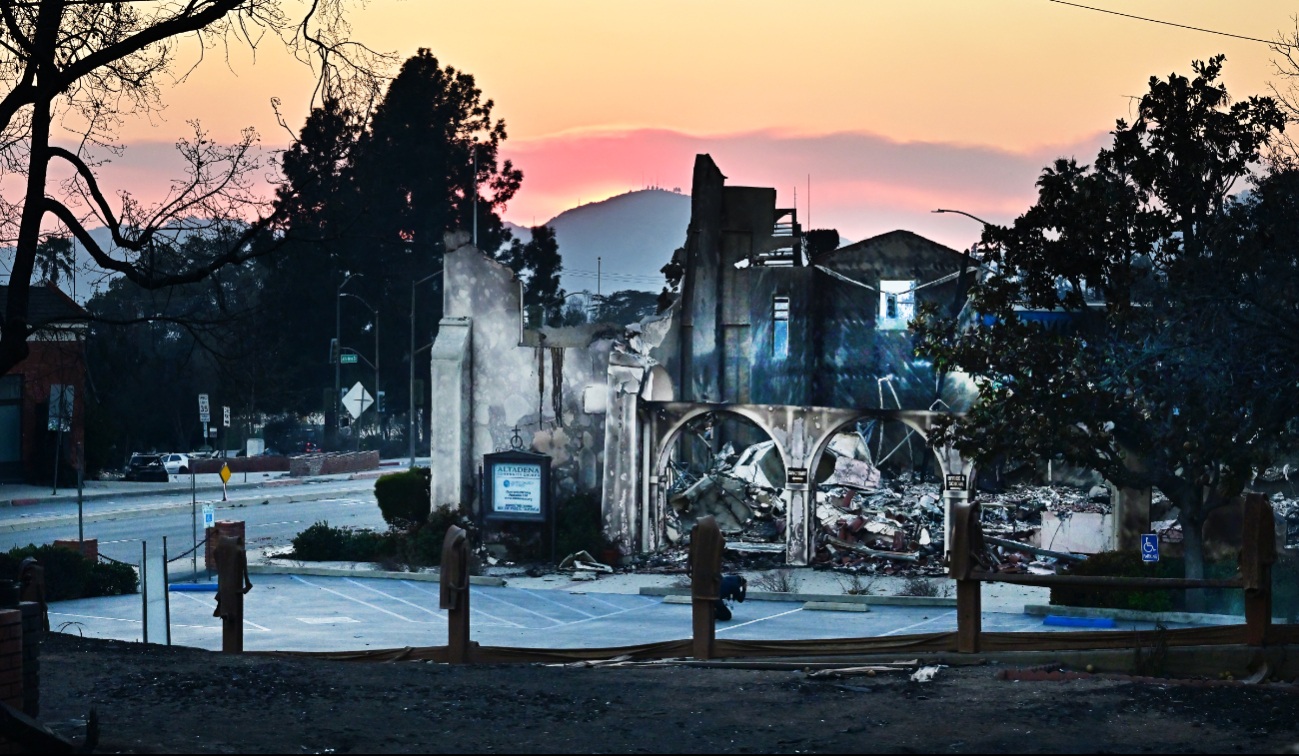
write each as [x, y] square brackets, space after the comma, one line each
[204, 409]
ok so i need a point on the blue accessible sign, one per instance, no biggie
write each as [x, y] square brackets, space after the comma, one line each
[1150, 547]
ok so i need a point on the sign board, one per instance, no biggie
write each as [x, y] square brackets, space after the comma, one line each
[204, 409]
[60, 407]
[517, 486]
[357, 400]
[225, 473]
[796, 476]
[956, 483]
[348, 358]
[209, 517]
[226, 412]
[1149, 547]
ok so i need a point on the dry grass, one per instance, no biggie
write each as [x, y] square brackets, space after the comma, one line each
[778, 581]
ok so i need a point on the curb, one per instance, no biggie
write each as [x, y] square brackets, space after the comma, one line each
[922, 601]
[1133, 615]
[834, 606]
[128, 514]
[420, 577]
[205, 488]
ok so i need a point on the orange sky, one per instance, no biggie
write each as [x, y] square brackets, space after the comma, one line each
[598, 95]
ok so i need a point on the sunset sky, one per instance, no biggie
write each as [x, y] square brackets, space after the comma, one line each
[892, 108]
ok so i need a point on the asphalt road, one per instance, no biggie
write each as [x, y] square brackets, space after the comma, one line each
[268, 525]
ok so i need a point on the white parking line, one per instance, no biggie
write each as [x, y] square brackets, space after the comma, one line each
[593, 597]
[269, 524]
[205, 604]
[918, 624]
[439, 615]
[480, 594]
[88, 616]
[534, 594]
[610, 614]
[760, 619]
[409, 584]
[359, 601]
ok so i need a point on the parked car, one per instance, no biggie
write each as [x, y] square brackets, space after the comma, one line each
[176, 464]
[148, 468]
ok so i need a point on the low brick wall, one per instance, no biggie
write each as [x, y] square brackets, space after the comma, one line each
[332, 464]
[241, 464]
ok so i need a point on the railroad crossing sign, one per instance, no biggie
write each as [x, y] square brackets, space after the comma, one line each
[357, 400]
[204, 409]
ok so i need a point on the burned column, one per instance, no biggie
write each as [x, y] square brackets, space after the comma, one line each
[705, 565]
[453, 593]
[232, 583]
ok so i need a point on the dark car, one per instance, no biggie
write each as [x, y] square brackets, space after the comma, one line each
[147, 468]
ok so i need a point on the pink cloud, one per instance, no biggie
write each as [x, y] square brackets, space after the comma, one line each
[862, 184]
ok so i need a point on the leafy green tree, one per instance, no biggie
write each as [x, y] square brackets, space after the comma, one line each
[1154, 381]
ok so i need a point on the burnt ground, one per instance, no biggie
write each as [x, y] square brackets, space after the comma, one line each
[186, 700]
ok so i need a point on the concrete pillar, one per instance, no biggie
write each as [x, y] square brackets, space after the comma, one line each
[619, 500]
[1131, 517]
[451, 411]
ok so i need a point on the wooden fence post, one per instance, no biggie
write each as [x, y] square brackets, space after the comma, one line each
[967, 537]
[453, 593]
[1257, 554]
[705, 565]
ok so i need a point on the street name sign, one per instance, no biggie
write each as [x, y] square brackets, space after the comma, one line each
[348, 358]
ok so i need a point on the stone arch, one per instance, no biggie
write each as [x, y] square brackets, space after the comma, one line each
[668, 435]
[919, 422]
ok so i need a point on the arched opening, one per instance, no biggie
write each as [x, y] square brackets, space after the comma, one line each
[878, 498]
[722, 463]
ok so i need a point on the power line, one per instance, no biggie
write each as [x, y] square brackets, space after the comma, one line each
[1170, 23]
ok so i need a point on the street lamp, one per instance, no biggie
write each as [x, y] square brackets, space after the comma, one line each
[376, 341]
[962, 212]
[410, 418]
[338, 358]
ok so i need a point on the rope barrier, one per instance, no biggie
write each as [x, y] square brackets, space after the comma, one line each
[107, 558]
[187, 553]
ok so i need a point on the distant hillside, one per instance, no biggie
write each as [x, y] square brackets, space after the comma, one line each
[635, 234]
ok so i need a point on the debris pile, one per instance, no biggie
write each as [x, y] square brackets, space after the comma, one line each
[741, 491]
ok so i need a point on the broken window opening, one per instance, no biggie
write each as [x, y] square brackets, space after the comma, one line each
[897, 305]
[780, 327]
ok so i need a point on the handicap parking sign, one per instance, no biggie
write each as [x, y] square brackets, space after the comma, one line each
[1150, 547]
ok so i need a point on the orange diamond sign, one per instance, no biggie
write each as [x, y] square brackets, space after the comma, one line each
[225, 473]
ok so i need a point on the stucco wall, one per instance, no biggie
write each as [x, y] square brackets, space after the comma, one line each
[512, 379]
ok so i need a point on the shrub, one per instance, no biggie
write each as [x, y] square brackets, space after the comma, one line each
[404, 497]
[323, 543]
[1118, 564]
[69, 575]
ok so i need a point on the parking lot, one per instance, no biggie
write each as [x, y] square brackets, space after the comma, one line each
[307, 613]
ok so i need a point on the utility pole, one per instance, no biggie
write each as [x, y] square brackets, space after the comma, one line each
[475, 209]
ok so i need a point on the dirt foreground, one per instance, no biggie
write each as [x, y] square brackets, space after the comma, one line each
[157, 699]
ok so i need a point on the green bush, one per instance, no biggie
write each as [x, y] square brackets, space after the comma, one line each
[578, 527]
[323, 543]
[1118, 564]
[69, 575]
[404, 497]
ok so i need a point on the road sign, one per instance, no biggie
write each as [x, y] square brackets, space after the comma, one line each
[357, 400]
[226, 412]
[348, 358]
[204, 409]
[209, 516]
[225, 474]
[1150, 547]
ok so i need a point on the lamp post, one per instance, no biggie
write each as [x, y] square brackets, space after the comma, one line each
[338, 340]
[410, 417]
[376, 343]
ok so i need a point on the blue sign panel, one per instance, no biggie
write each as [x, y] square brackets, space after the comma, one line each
[1150, 547]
